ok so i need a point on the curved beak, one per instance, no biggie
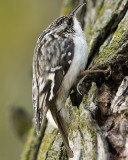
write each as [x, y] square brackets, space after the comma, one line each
[76, 10]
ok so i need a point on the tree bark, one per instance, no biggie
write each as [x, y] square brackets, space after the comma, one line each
[99, 118]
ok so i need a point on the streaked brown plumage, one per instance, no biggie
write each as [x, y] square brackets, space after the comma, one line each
[60, 55]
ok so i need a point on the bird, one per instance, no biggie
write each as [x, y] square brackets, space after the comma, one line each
[60, 55]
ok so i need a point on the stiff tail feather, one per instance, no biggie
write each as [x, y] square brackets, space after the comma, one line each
[64, 131]
[39, 117]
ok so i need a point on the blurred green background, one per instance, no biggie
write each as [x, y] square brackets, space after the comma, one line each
[21, 23]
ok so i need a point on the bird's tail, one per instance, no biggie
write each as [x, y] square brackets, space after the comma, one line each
[64, 131]
[39, 117]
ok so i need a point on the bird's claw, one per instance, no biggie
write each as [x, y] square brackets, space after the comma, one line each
[86, 72]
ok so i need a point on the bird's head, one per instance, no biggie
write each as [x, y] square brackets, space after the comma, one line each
[67, 23]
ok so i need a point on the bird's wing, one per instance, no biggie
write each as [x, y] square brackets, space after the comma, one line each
[51, 62]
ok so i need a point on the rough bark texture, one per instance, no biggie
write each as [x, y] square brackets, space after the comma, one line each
[98, 118]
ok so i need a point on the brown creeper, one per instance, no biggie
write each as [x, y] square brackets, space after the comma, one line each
[60, 55]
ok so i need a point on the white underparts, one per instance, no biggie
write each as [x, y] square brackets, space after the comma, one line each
[77, 65]
[50, 119]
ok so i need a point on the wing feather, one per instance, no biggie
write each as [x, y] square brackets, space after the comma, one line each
[51, 61]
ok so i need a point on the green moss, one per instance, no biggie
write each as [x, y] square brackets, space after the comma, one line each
[47, 143]
[87, 100]
[111, 52]
[85, 148]
[29, 146]
[88, 126]
[72, 127]
[56, 149]
[127, 102]
[107, 16]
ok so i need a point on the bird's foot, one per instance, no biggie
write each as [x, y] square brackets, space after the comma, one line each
[86, 72]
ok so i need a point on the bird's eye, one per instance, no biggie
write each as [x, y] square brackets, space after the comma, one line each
[69, 22]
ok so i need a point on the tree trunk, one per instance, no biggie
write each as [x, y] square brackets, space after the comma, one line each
[98, 118]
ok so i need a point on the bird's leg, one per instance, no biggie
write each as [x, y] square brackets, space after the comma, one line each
[124, 113]
[86, 72]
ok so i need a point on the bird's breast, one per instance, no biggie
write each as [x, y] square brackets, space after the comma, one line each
[77, 65]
